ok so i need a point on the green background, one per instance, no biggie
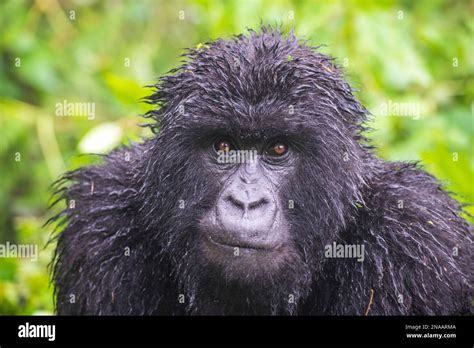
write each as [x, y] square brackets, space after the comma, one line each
[395, 52]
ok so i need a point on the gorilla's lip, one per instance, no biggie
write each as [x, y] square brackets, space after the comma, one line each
[243, 245]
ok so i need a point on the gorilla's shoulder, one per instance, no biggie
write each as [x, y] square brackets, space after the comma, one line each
[417, 239]
[114, 176]
[404, 188]
[100, 196]
[402, 197]
[98, 217]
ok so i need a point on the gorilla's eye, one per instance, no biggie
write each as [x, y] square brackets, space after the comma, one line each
[223, 145]
[278, 149]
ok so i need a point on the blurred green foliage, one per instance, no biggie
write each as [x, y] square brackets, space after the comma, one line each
[104, 52]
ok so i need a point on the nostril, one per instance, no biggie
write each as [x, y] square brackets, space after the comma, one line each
[258, 204]
[235, 202]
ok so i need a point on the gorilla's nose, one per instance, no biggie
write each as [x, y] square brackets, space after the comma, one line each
[246, 205]
[246, 212]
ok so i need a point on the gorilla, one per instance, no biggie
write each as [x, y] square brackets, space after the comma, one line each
[258, 194]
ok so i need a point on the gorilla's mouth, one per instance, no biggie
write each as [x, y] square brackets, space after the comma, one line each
[244, 258]
[246, 245]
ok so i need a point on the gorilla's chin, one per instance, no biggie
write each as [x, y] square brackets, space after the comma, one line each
[254, 280]
[247, 261]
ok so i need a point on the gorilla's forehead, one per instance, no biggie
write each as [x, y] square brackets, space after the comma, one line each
[249, 123]
[256, 85]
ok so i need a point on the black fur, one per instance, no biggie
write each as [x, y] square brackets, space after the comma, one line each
[341, 192]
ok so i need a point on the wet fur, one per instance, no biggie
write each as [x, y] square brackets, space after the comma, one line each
[342, 193]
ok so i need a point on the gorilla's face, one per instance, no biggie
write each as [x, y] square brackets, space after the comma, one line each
[258, 141]
[246, 230]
